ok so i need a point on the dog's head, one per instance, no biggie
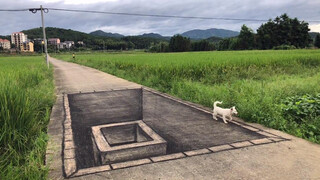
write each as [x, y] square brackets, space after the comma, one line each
[234, 111]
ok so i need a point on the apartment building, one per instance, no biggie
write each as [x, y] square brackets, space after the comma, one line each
[54, 41]
[27, 47]
[21, 41]
[5, 44]
[18, 38]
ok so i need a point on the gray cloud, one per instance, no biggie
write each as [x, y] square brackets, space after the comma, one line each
[131, 25]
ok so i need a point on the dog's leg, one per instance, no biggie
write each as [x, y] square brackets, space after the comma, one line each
[224, 119]
[214, 116]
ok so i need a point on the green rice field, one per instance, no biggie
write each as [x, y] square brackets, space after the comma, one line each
[26, 99]
[279, 89]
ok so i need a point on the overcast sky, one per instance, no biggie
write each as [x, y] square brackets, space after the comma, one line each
[133, 25]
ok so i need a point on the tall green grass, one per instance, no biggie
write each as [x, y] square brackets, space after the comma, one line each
[256, 82]
[26, 99]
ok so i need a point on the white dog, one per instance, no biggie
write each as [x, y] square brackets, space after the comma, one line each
[223, 112]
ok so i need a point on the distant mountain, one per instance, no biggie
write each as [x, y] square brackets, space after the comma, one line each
[142, 42]
[90, 41]
[116, 35]
[313, 35]
[154, 35]
[106, 34]
[204, 34]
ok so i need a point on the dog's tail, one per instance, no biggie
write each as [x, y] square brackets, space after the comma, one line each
[217, 102]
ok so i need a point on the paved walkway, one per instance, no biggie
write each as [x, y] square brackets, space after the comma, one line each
[294, 159]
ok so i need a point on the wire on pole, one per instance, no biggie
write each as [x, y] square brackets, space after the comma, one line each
[43, 10]
[35, 10]
[165, 16]
[155, 15]
[46, 10]
[13, 10]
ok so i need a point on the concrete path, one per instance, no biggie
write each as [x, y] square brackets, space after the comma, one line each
[72, 78]
[294, 159]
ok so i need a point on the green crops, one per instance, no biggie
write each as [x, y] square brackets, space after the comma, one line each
[26, 99]
[256, 82]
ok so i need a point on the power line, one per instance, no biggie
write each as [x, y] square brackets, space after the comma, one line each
[155, 15]
[150, 15]
[164, 16]
[14, 10]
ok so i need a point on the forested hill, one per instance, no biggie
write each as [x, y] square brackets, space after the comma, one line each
[117, 35]
[195, 34]
[214, 39]
[204, 34]
[106, 34]
[155, 35]
[94, 41]
[63, 34]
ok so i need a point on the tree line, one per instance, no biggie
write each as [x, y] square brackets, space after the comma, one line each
[179, 43]
[281, 33]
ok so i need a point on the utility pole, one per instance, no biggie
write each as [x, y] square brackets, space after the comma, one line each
[43, 30]
[42, 43]
[44, 36]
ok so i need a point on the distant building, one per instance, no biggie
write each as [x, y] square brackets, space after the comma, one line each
[27, 47]
[54, 41]
[66, 45]
[18, 38]
[38, 41]
[70, 43]
[5, 44]
[62, 45]
[80, 43]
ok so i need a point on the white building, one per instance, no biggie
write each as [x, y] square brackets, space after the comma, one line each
[66, 45]
[5, 44]
[80, 43]
[18, 38]
[54, 41]
[69, 43]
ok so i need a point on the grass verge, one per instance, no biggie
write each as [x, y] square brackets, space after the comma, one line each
[26, 99]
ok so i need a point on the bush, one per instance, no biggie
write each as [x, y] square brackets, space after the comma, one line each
[304, 114]
[299, 108]
[284, 47]
[160, 47]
